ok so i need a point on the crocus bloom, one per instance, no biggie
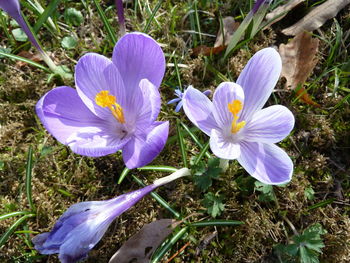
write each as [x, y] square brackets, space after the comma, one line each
[259, 3]
[238, 126]
[121, 18]
[114, 106]
[82, 226]
[179, 96]
[12, 7]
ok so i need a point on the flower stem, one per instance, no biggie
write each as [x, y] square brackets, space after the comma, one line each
[167, 179]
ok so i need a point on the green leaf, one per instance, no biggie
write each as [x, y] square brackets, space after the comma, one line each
[19, 35]
[73, 16]
[69, 42]
[213, 203]
[2, 165]
[309, 193]
[29, 172]
[267, 193]
[203, 178]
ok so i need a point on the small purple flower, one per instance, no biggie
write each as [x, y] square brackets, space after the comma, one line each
[82, 226]
[238, 126]
[121, 18]
[12, 7]
[115, 104]
[179, 96]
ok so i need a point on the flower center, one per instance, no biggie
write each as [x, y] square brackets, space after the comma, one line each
[235, 107]
[104, 99]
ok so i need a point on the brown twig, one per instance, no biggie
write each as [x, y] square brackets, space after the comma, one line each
[178, 252]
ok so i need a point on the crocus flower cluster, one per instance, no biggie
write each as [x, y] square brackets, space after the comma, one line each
[114, 106]
[238, 126]
[82, 226]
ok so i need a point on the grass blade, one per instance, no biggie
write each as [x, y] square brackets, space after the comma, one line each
[12, 228]
[123, 175]
[12, 214]
[201, 154]
[195, 138]
[159, 254]
[28, 61]
[107, 25]
[149, 20]
[162, 168]
[217, 223]
[182, 143]
[28, 184]
[46, 15]
[159, 199]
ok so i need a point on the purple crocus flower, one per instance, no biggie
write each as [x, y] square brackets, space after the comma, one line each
[114, 106]
[179, 96]
[82, 226]
[121, 18]
[12, 7]
[238, 126]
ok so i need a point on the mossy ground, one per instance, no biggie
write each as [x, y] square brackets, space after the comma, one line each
[319, 144]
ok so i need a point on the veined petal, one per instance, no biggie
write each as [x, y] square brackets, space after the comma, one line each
[267, 163]
[144, 147]
[138, 56]
[95, 73]
[63, 113]
[224, 94]
[222, 147]
[148, 107]
[67, 118]
[269, 125]
[258, 80]
[199, 109]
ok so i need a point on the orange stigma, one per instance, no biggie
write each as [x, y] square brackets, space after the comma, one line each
[104, 99]
[235, 107]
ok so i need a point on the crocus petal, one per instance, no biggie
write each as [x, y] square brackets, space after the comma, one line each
[267, 163]
[269, 125]
[258, 80]
[12, 7]
[67, 118]
[144, 147]
[137, 56]
[82, 226]
[173, 101]
[224, 94]
[199, 109]
[148, 107]
[94, 73]
[223, 147]
[179, 106]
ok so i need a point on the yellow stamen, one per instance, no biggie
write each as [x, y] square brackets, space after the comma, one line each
[235, 107]
[104, 99]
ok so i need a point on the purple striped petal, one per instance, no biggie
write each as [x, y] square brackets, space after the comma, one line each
[137, 56]
[149, 108]
[224, 94]
[269, 125]
[144, 147]
[82, 226]
[95, 73]
[12, 7]
[223, 147]
[199, 109]
[258, 80]
[67, 118]
[267, 163]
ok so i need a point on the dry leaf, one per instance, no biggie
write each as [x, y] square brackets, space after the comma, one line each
[298, 61]
[33, 57]
[317, 17]
[229, 26]
[140, 247]
[207, 51]
[281, 11]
